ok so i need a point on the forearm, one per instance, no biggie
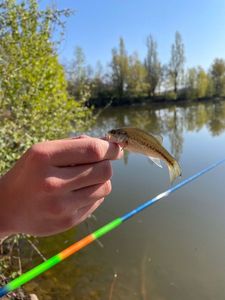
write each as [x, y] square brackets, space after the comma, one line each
[6, 220]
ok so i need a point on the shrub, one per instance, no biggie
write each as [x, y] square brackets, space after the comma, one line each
[34, 103]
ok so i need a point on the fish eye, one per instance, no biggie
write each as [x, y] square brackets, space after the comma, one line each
[113, 131]
[121, 131]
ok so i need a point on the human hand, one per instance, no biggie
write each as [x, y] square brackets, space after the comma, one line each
[56, 185]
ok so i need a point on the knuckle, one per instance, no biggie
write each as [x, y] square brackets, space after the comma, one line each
[51, 185]
[95, 150]
[38, 154]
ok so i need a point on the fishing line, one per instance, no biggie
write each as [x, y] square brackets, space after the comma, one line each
[26, 277]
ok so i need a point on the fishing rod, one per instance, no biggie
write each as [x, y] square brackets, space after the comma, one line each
[41, 268]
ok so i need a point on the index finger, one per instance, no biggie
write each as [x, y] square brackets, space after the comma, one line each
[82, 151]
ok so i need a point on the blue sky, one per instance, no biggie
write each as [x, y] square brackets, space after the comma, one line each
[97, 25]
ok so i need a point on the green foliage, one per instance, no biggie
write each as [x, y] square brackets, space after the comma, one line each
[152, 66]
[197, 83]
[191, 82]
[170, 95]
[217, 73]
[34, 104]
[77, 74]
[98, 85]
[119, 67]
[176, 64]
[202, 83]
[136, 83]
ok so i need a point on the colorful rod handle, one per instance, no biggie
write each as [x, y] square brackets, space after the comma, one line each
[16, 283]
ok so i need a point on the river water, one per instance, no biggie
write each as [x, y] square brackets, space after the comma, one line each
[173, 250]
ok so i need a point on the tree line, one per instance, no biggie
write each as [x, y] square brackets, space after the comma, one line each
[128, 79]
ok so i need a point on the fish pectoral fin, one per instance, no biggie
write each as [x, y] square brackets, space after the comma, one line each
[156, 161]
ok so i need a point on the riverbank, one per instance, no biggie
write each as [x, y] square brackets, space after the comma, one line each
[11, 267]
[129, 101]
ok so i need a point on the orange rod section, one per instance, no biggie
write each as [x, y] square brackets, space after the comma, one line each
[76, 246]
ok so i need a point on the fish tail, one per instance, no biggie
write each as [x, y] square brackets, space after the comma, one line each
[174, 170]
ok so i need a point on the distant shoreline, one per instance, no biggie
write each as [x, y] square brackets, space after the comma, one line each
[116, 102]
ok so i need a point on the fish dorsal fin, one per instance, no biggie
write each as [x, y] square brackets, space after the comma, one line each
[159, 138]
[156, 161]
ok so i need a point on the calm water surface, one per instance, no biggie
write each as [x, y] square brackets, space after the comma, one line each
[173, 250]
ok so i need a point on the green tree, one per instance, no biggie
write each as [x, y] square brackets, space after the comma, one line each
[202, 83]
[153, 66]
[176, 64]
[77, 73]
[197, 83]
[119, 67]
[34, 104]
[217, 73]
[191, 83]
[136, 84]
[98, 86]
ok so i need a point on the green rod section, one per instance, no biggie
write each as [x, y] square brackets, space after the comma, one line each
[108, 227]
[16, 283]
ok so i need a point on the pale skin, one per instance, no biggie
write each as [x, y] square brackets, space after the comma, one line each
[55, 185]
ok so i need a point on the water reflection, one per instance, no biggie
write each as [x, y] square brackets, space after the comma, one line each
[170, 121]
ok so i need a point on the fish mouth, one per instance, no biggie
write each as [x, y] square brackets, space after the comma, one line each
[116, 136]
[107, 137]
[110, 137]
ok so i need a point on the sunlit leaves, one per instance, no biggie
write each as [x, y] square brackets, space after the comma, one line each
[217, 73]
[34, 104]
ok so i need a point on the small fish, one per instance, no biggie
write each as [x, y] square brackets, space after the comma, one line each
[137, 140]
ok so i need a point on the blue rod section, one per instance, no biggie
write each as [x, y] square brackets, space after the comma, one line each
[3, 291]
[169, 191]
